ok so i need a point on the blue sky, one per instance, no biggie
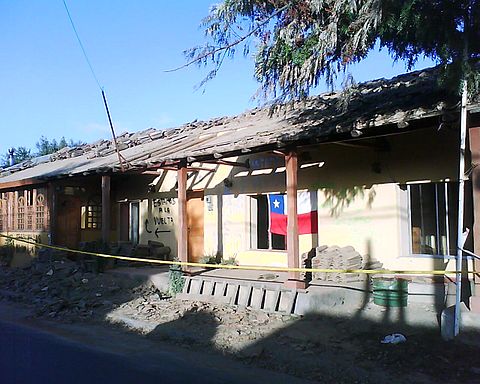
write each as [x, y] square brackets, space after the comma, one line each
[47, 88]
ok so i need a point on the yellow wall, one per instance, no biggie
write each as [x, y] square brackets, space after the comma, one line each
[24, 253]
[375, 220]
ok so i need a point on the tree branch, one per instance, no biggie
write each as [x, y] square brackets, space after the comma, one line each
[228, 46]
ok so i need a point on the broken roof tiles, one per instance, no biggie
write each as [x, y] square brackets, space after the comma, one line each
[372, 104]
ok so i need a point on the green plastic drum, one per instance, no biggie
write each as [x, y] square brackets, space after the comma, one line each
[390, 292]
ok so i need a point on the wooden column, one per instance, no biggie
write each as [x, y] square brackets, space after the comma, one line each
[474, 136]
[182, 250]
[106, 218]
[291, 164]
[51, 210]
[15, 211]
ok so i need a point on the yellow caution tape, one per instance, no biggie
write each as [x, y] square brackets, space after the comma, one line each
[240, 267]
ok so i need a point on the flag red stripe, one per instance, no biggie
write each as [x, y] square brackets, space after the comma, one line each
[278, 223]
[307, 223]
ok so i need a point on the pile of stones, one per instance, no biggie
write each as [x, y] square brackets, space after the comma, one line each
[62, 288]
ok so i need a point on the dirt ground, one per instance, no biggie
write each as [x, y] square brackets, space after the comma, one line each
[341, 346]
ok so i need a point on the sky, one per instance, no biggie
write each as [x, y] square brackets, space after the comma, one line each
[46, 87]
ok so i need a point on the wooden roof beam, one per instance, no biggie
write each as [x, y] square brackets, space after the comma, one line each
[245, 164]
[20, 183]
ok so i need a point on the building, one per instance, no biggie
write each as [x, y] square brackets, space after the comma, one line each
[379, 163]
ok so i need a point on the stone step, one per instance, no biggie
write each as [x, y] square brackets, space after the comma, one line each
[264, 297]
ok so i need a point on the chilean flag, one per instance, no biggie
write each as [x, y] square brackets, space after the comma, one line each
[306, 208]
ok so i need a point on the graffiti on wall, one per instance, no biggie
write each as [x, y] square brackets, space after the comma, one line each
[161, 220]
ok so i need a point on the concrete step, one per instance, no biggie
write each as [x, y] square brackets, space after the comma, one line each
[265, 297]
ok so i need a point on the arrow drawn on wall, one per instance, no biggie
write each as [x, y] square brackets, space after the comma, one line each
[146, 226]
[157, 231]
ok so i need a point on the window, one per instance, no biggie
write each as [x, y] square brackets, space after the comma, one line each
[21, 213]
[24, 210]
[433, 218]
[29, 210]
[260, 236]
[134, 222]
[40, 220]
[91, 215]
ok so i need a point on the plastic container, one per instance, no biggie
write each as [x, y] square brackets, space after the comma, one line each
[390, 292]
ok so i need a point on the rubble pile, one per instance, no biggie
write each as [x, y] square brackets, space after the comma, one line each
[226, 327]
[64, 289]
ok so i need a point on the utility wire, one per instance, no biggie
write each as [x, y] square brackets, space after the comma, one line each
[81, 46]
[121, 159]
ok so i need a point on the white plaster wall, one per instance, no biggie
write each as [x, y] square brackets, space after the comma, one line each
[161, 224]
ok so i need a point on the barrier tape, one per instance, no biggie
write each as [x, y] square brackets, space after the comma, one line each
[239, 267]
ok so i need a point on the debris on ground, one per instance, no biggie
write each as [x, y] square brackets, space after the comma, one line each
[329, 347]
[394, 338]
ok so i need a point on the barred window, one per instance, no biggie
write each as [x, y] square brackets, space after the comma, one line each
[21, 213]
[24, 210]
[433, 218]
[40, 212]
[91, 215]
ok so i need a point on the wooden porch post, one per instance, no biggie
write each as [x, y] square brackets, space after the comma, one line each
[474, 136]
[182, 245]
[291, 164]
[106, 219]
[52, 210]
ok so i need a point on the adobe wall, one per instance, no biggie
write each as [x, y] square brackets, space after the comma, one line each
[374, 219]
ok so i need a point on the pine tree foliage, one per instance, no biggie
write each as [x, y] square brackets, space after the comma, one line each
[19, 154]
[299, 43]
[47, 147]
[44, 147]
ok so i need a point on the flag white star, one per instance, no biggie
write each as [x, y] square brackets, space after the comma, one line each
[276, 203]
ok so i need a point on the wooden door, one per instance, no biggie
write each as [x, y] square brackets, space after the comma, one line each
[195, 226]
[68, 221]
[124, 223]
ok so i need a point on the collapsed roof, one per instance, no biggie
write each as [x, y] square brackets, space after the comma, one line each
[372, 108]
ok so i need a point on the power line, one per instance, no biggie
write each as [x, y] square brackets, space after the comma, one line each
[121, 159]
[81, 46]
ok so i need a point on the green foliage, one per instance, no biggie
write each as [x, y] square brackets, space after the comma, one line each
[209, 259]
[229, 261]
[300, 42]
[44, 147]
[175, 280]
[47, 147]
[218, 259]
[20, 154]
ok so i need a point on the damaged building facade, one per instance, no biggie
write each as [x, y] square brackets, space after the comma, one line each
[379, 172]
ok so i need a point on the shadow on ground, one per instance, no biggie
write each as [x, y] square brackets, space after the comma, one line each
[337, 348]
[334, 346]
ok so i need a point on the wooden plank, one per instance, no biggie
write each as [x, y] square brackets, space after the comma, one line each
[182, 246]
[20, 183]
